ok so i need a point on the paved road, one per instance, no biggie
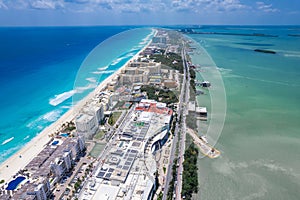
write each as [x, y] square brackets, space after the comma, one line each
[183, 102]
[178, 186]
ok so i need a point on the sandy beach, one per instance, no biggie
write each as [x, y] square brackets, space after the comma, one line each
[20, 159]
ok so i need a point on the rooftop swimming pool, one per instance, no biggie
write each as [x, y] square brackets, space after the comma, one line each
[12, 185]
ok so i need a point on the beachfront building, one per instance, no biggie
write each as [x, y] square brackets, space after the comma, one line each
[105, 98]
[77, 147]
[42, 191]
[133, 75]
[39, 190]
[111, 86]
[170, 84]
[159, 39]
[95, 109]
[148, 51]
[139, 72]
[46, 169]
[61, 165]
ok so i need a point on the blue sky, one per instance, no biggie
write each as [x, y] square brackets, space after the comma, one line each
[148, 12]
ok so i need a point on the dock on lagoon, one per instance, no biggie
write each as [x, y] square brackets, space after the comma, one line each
[201, 112]
[203, 145]
[204, 84]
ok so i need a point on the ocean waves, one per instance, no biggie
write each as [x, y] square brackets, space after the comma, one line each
[116, 61]
[52, 116]
[91, 79]
[104, 72]
[58, 99]
[42, 121]
[7, 140]
[128, 55]
[102, 68]
[7, 152]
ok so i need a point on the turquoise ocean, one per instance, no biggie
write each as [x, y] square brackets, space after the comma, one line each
[260, 140]
[44, 71]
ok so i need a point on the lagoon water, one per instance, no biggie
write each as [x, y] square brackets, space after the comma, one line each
[43, 71]
[260, 140]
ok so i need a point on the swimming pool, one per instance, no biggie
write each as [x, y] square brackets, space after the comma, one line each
[64, 134]
[55, 142]
[12, 185]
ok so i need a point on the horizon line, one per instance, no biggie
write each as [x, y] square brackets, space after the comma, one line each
[144, 25]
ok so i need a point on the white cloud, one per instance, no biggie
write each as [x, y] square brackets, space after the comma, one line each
[135, 6]
[46, 4]
[2, 5]
[266, 7]
[208, 5]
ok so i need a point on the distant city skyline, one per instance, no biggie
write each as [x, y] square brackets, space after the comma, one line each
[152, 12]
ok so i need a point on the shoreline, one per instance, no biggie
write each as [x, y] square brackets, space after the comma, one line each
[23, 156]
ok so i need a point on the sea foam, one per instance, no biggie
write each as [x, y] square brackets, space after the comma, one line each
[41, 122]
[104, 72]
[52, 115]
[102, 68]
[116, 61]
[58, 99]
[91, 79]
[7, 141]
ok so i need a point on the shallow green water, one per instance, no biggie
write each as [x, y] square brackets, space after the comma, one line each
[260, 141]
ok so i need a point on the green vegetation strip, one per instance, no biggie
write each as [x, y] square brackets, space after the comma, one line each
[165, 96]
[190, 170]
[191, 121]
[192, 82]
[114, 118]
[171, 189]
[99, 135]
[169, 61]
